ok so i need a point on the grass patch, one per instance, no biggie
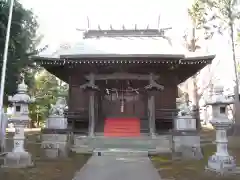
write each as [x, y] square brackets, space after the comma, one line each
[44, 168]
[54, 169]
[189, 169]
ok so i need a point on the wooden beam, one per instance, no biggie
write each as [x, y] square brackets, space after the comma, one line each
[153, 84]
[122, 76]
[91, 84]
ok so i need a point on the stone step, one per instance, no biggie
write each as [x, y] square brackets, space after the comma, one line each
[159, 144]
[82, 150]
[120, 152]
[145, 137]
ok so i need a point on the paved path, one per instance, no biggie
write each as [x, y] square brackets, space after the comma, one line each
[118, 168]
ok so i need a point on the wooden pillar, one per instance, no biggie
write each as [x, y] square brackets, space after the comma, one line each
[91, 113]
[151, 88]
[151, 114]
[70, 125]
[91, 88]
[96, 108]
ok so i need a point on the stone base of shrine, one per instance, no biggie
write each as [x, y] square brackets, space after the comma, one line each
[158, 144]
[182, 145]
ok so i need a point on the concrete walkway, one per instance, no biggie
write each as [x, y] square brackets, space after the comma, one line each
[118, 168]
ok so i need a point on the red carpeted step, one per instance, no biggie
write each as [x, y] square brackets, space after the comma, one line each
[122, 127]
[121, 135]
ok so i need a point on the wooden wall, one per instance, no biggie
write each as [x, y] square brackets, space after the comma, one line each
[78, 99]
[166, 99]
[165, 103]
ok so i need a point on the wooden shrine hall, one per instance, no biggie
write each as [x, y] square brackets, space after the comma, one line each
[122, 82]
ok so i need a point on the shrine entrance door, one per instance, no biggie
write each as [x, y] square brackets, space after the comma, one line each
[123, 102]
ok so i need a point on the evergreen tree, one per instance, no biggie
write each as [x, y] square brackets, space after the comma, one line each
[22, 44]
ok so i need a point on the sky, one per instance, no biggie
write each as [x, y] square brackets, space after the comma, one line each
[59, 20]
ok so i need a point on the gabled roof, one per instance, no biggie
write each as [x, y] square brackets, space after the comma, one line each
[124, 50]
[121, 46]
[108, 48]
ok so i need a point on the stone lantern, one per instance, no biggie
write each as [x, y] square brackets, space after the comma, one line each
[20, 118]
[221, 161]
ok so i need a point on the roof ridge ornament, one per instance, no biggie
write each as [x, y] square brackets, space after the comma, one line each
[115, 33]
[124, 32]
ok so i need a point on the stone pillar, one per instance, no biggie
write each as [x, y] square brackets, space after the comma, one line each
[151, 113]
[18, 138]
[91, 127]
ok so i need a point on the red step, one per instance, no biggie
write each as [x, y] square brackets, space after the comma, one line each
[121, 135]
[122, 127]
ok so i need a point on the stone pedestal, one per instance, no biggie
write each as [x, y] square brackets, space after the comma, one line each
[56, 122]
[55, 145]
[55, 136]
[18, 158]
[185, 123]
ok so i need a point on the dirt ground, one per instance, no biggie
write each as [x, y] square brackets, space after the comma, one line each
[193, 169]
[65, 168]
[45, 168]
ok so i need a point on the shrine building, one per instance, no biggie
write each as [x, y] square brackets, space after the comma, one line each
[122, 82]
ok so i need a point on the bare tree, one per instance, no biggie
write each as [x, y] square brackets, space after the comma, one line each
[199, 18]
[226, 12]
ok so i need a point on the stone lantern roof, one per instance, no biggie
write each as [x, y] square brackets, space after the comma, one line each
[218, 97]
[22, 87]
[21, 95]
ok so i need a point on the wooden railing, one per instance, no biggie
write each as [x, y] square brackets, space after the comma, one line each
[77, 114]
[166, 114]
[78, 120]
[161, 114]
